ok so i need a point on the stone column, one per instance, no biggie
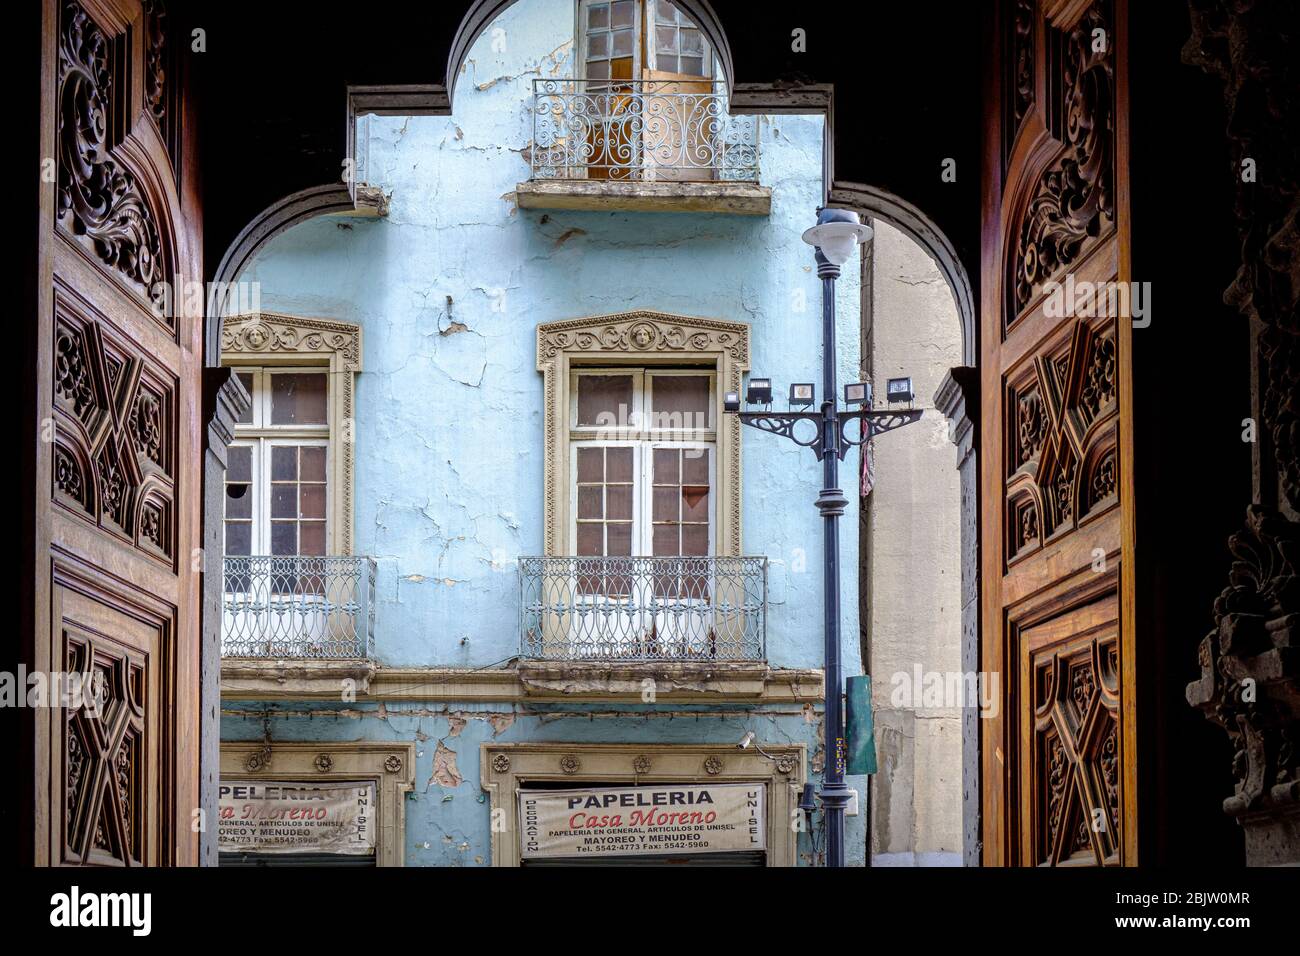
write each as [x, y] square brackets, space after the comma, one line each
[959, 392]
[224, 400]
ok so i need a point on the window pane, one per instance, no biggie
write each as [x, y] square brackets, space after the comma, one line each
[695, 466]
[313, 537]
[598, 70]
[298, 399]
[239, 500]
[623, 12]
[665, 541]
[246, 379]
[239, 463]
[666, 62]
[313, 463]
[666, 470]
[692, 41]
[591, 463]
[239, 537]
[604, 400]
[666, 39]
[284, 501]
[695, 503]
[591, 539]
[598, 44]
[695, 539]
[589, 502]
[666, 504]
[665, 12]
[623, 43]
[284, 463]
[311, 501]
[618, 502]
[598, 15]
[681, 401]
[618, 465]
[620, 539]
[284, 537]
[692, 65]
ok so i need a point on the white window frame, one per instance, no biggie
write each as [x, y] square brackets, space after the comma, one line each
[261, 436]
[643, 440]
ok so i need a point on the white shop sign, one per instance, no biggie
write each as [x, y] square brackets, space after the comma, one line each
[269, 817]
[662, 819]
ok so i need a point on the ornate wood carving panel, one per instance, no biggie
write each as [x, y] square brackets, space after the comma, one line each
[1057, 526]
[117, 477]
[110, 768]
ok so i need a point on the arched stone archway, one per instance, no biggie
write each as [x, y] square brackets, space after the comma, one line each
[954, 398]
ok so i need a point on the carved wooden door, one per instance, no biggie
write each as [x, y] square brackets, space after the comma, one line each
[1056, 533]
[117, 473]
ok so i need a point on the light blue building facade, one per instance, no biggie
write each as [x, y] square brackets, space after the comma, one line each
[429, 386]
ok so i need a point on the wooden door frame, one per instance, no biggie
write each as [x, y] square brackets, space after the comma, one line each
[162, 589]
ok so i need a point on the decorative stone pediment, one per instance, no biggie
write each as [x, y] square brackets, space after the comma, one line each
[267, 332]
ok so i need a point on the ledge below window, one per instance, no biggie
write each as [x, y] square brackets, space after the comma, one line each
[527, 680]
[724, 198]
[258, 678]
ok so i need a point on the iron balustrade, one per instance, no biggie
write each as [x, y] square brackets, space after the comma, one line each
[644, 609]
[641, 130]
[298, 606]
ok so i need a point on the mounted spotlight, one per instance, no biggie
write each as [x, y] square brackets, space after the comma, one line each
[899, 390]
[731, 401]
[760, 391]
[857, 393]
[802, 394]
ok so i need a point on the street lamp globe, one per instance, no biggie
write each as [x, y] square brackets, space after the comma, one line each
[837, 233]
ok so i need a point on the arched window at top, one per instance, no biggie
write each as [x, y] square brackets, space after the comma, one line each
[640, 40]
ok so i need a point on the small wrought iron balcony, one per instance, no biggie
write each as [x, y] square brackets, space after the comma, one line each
[644, 609]
[299, 606]
[640, 130]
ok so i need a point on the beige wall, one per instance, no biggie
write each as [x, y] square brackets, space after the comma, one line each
[911, 540]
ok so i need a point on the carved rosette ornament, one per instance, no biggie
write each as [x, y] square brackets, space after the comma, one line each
[255, 762]
[713, 764]
[392, 764]
[1250, 673]
[570, 763]
[324, 763]
[501, 763]
[98, 197]
[641, 764]
[785, 764]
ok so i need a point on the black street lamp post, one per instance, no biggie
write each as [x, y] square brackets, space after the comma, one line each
[836, 235]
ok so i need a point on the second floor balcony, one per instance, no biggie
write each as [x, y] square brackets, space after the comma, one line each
[299, 607]
[627, 609]
[642, 145]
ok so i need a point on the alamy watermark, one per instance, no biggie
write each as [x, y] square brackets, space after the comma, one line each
[919, 689]
[1100, 299]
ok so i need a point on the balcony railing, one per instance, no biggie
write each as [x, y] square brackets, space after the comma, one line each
[641, 130]
[644, 609]
[298, 606]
